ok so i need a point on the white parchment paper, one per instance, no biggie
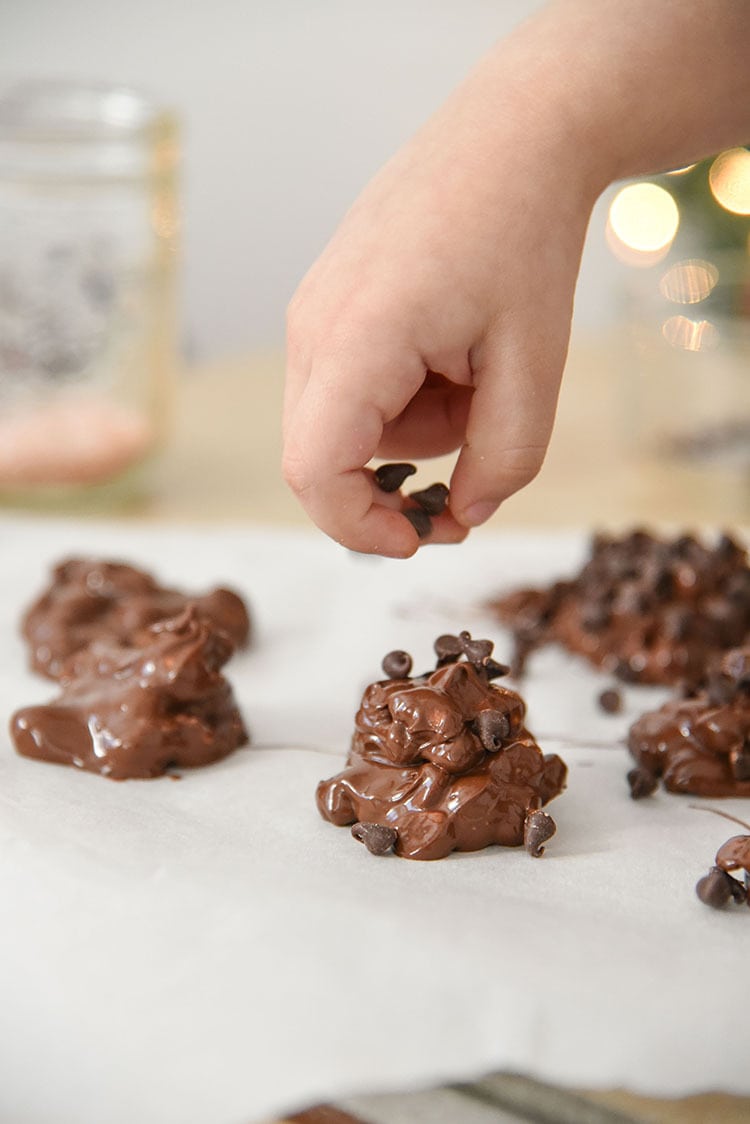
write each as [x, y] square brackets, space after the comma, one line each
[209, 950]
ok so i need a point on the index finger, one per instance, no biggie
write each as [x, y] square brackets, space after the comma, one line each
[332, 431]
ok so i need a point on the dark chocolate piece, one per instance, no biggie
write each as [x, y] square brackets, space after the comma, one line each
[646, 609]
[390, 477]
[397, 664]
[448, 649]
[377, 838]
[433, 500]
[444, 759]
[539, 827]
[419, 520]
[642, 783]
[699, 745]
[610, 701]
[135, 712]
[89, 599]
[717, 888]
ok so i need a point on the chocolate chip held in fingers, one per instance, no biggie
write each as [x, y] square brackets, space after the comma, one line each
[390, 477]
[419, 520]
[433, 500]
[444, 759]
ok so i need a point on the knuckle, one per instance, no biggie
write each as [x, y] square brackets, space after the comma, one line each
[296, 472]
[523, 463]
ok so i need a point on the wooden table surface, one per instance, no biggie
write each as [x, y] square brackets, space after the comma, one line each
[222, 464]
[222, 460]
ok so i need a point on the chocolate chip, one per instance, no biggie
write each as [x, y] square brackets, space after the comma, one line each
[720, 690]
[377, 838]
[594, 616]
[624, 670]
[493, 727]
[717, 888]
[419, 520]
[736, 664]
[494, 670]
[740, 764]
[396, 664]
[448, 649]
[610, 701]
[476, 651]
[642, 783]
[390, 477]
[538, 828]
[433, 500]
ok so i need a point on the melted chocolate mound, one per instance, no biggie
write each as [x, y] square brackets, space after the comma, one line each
[443, 758]
[88, 600]
[646, 609]
[701, 744]
[134, 712]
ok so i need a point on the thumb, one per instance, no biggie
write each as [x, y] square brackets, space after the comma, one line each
[509, 424]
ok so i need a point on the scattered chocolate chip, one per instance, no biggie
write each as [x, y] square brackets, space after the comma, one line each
[390, 477]
[419, 520]
[538, 828]
[717, 889]
[396, 664]
[642, 783]
[610, 701]
[448, 649]
[493, 728]
[377, 838]
[433, 500]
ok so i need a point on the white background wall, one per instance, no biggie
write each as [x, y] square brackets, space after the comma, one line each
[288, 107]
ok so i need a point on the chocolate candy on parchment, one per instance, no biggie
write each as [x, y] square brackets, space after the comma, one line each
[699, 744]
[644, 608]
[135, 712]
[444, 761]
[89, 599]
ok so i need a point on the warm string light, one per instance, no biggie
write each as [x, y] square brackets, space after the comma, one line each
[642, 224]
[729, 180]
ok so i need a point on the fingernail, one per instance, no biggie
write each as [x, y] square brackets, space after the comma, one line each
[478, 513]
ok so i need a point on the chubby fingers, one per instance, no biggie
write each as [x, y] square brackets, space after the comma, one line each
[509, 424]
[333, 425]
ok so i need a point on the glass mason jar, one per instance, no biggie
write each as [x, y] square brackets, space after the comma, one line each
[88, 226]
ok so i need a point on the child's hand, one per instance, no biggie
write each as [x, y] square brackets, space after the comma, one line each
[436, 319]
[438, 316]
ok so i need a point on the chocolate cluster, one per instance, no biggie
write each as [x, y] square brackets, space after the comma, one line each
[140, 671]
[136, 712]
[88, 599]
[699, 744]
[443, 761]
[644, 608]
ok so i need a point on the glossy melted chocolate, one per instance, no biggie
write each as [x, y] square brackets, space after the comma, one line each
[701, 745]
[88, 600]
[647, 610]
[134, 712]
[445, 759]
